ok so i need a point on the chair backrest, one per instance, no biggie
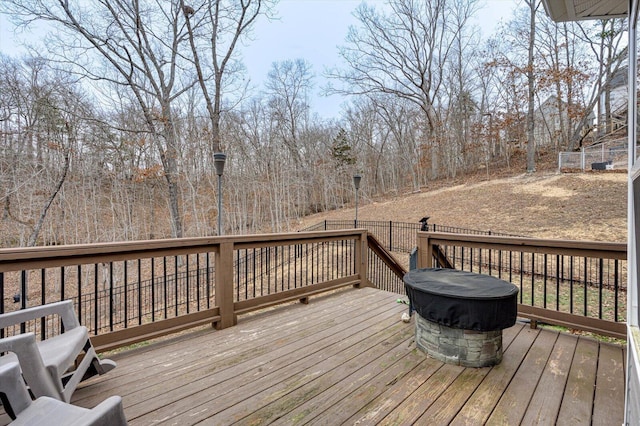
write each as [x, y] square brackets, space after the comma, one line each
[13, 392]
[64, 309]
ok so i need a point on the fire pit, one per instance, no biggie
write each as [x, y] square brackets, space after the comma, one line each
[461, 315]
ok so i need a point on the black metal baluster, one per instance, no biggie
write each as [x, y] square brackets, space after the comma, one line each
[139, 292]
[521, 275]
[188, 281]
[600, 285]
[586, 283]
[545, 282]
[2, 301]
[297, 248]
[111, 296]
[246, 274]
[238, 275]
[23, 299]
[616, 280]
[125, 274]
[43, 300]
[95, 299]
[198, 279]
[571, 284]
[80, 294]
[558, 259]
[153, 286]
[533, 279]
[208, 282]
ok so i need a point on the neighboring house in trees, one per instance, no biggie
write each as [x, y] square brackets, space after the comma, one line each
[618, 92]
[550, 121]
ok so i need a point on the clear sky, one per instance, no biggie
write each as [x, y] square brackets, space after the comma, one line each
[306, 29]
[312, 30]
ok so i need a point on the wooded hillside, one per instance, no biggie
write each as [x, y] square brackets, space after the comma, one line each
[109, 133]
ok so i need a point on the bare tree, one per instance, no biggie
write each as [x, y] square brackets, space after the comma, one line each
[40, 113]
[215, 28]
[133, 46]
[515, 56]
[605, 39]
[288, 85]
[531, 81]
[404, 54]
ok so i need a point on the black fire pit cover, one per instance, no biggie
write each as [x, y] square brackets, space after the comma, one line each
[460, 299]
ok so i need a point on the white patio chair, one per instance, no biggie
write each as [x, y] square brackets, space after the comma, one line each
[48, 411]
[48, 365]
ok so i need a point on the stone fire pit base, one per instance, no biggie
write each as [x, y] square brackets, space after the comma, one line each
[467, 348]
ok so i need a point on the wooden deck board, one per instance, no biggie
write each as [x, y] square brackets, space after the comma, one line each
[414, 366]
[271, 355]
[515, 400]
[298, 408]
[280, 396]
[607, 408]
[479, 407]
[397, 391]
[577, 403]
[447, 407]
[419, 401]
[346, 358]
[545, 404]
[242, 352]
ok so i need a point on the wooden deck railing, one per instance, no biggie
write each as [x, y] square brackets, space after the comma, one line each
[133, 291]
[383, 270]
[575, 284]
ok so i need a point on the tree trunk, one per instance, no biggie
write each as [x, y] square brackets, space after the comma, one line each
[33, 238]
[531, 144]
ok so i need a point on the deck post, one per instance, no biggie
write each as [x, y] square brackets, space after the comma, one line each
[224, 286]
[361, 264]
[425, 251]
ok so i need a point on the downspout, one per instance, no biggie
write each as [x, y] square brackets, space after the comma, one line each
[633, 302]
[632, 255]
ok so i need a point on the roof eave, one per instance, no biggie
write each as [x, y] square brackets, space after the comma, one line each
[575, 10]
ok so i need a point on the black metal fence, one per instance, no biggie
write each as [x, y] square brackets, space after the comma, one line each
[396, 236]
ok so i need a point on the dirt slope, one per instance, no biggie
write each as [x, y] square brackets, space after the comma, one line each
[580, 206]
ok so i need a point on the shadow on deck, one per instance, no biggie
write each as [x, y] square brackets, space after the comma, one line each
[346, 358]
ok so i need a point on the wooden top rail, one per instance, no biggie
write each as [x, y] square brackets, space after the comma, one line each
[24, 258]
[596, 249]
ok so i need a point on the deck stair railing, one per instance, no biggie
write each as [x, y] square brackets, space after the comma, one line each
[383, 269]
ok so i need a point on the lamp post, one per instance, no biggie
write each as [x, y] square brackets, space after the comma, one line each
[356, 183]
[218, 161]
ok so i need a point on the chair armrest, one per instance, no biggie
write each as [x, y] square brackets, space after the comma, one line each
[24, 344]
[108, 413]
[13, 392]
[64, 309]
[25, 348]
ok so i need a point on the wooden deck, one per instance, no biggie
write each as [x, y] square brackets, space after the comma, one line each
[346, 358]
